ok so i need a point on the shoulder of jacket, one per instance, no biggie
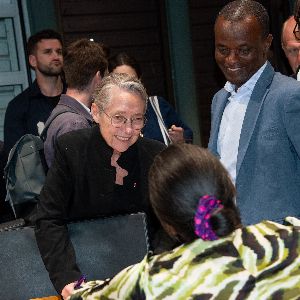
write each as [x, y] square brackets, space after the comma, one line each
[151, 145]
[66, 116]
[220, 92]
[20, 98]
[76, 137]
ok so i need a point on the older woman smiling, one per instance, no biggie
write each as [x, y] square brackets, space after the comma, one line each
[99, 171]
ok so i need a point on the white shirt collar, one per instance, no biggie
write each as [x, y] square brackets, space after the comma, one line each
[85, 107]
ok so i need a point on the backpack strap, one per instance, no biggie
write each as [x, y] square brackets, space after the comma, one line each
[164, 131]
[13, 150]
[39, 145]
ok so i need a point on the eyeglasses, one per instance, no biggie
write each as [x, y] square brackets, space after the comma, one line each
[119, 120]
[296, 31]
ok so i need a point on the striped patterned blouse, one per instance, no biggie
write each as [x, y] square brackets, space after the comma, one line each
[258, 262]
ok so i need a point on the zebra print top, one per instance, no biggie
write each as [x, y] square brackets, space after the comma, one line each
[258, 262]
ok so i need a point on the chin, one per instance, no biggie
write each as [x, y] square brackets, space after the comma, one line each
[121, 147]
[236, 81]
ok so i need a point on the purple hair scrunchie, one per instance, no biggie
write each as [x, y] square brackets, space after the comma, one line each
[207, 204]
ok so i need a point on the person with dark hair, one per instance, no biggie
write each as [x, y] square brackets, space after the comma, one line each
[28, 111]
[85, 64]
[255, 117]
[194, 199]
[163, 123]
[97, 172]
[46, 34]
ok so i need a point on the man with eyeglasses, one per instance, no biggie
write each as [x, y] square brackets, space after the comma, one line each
[290, 44]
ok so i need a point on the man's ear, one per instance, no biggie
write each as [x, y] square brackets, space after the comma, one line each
[96, 80]
[268, 43]
[95, 112]
[98, 77]
[32, 60]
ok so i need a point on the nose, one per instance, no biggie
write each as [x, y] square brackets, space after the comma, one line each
[56, 55]
[232, 56]
[128, 126]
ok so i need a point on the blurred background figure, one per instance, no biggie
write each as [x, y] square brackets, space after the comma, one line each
[218, 258]
[297, 19]
[290, 44]
[163, 123]
[28, 112]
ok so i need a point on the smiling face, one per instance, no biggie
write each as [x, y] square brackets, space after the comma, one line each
[240, 48]
[47, 58]
[122, 103]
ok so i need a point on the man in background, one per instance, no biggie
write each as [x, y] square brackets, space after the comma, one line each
[28, 111]
[290, 44]
[85, 64]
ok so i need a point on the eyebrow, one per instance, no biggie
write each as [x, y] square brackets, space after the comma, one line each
[124, 113]
[52, 49]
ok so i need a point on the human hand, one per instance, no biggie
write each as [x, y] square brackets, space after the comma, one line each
[176, 134]
[68, 290]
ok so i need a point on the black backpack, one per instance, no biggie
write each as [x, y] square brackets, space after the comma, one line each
[26, 169]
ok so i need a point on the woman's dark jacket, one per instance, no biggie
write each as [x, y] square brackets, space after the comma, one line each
[80, 184]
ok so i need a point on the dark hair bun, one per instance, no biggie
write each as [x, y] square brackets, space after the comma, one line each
[224, 221]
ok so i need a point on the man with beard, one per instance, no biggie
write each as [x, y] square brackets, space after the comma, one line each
[255, 118]
[28, 111]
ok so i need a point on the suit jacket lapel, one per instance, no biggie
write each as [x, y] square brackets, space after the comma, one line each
[217, 120]
[257, 99]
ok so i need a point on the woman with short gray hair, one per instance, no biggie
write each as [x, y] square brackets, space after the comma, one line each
[99, 171]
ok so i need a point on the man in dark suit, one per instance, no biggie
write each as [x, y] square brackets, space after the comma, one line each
[255, 127]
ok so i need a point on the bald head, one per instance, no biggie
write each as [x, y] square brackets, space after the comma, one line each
[287, 30]
[290, 44]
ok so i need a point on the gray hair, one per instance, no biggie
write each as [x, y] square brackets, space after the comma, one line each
[102, 94]
[240, 9]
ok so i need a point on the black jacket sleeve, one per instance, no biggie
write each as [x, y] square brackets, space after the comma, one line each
[51, 229]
